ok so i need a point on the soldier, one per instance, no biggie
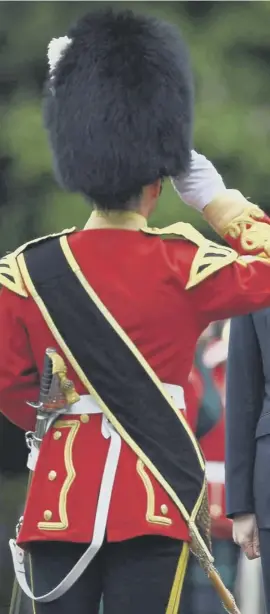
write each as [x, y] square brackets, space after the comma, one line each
[118, 488]
[213, 445]
[207, 419]
[211, 425]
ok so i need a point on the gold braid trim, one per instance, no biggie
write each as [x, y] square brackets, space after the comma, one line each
[232, 215]
[59, 368]
[254, 235]
[10, 275]
[224, 209]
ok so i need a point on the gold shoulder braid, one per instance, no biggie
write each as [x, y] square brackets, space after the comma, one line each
[178, 230]
[210, 256]
[209, 259]
[233, 216]
[254, 235]
[10, 275]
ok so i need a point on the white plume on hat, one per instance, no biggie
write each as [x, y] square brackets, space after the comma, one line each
[56, 50]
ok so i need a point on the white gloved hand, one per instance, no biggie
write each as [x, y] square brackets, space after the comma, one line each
[201, 184]
[246, 535]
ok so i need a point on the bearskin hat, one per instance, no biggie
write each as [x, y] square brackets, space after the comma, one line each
[118, 106]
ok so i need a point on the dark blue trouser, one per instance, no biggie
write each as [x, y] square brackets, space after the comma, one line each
[134, 577]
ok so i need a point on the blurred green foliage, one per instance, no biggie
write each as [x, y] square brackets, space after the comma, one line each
[230, 49]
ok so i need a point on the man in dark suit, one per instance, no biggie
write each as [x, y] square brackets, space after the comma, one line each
[248, 437]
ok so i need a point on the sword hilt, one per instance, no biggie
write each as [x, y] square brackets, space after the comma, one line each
[47, 376]
[56, 394]
[46, 381]
[56, 390]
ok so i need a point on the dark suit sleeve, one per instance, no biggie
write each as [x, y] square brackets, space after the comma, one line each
[245, 389]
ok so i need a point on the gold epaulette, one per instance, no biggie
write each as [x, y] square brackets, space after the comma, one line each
[236, 218]
[10, 275]
[178, 230]
[210, 257]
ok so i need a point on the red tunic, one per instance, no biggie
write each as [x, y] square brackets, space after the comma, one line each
[213, 443]
[142, 280]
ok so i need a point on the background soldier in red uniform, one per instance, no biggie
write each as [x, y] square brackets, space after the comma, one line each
[119, 116]
[205, 411]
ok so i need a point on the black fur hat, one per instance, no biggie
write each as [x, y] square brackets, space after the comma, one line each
[119, 106]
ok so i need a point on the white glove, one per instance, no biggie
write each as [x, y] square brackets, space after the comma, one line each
[201, 185]
[246, 535]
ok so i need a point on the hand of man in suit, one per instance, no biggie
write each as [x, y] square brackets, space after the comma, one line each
[245, 534]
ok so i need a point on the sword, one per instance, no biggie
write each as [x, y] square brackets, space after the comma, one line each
[56, 395]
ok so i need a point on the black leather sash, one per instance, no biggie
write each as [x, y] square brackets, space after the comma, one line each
[113, 370]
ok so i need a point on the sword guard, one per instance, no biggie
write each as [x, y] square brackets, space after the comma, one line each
[66, 386]
[57, 393]
[68, 390]
[38, 405]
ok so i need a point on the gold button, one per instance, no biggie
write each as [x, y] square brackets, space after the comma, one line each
[57, 435]
[215, 511]
[84, 418]
[47, 515]
[164, 509]
[52, 475]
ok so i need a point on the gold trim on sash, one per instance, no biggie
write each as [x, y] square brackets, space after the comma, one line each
[103, 309]
[189, 518]
[10, 276]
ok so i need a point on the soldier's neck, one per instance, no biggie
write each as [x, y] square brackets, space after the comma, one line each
[126, 220]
